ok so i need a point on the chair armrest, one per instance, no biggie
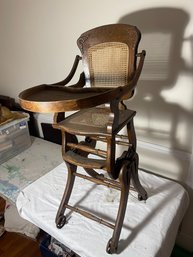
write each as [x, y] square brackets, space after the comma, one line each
[71, 74]
[132, 84]
[140, 65]
[80, 83]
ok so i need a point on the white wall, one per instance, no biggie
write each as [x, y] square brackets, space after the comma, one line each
[38, 45]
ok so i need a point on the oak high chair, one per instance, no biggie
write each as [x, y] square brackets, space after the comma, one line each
[109, 57]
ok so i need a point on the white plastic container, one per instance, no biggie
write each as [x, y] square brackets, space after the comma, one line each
[14, 138]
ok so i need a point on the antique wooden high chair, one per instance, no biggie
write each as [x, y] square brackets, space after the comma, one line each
[109, 56]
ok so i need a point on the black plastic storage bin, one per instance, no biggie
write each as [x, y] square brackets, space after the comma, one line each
[46, 252]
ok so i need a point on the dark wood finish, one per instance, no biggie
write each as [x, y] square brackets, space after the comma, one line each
[51, 134]
[55, 98]
[49, 98]
[122, 33]
[15, 245]
[86, 128]
[110, 75]
[2, 205]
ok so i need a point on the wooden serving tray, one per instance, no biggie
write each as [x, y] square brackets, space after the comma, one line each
[54, 98]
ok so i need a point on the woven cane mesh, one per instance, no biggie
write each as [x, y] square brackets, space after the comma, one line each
[108, 64]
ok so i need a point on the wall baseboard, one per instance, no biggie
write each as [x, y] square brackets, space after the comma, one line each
[166, 162]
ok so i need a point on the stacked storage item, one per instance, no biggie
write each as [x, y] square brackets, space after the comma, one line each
[14, 137]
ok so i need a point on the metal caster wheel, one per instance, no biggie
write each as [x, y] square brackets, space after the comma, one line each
[142, 197]
[61, 222]
[110, 249]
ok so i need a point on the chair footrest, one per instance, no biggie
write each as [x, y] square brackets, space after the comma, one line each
[78, 160]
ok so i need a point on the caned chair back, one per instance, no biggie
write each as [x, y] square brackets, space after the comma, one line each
[109, 54]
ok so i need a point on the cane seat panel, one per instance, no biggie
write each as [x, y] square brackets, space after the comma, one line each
[94, 121]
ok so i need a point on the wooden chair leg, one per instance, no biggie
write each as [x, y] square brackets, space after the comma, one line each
[124, 178]
[60, 217]
[142, 194]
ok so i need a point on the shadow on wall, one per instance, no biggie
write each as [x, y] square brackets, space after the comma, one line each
[159, 121]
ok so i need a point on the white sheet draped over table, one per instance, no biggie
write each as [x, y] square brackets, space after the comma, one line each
[150, 227]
